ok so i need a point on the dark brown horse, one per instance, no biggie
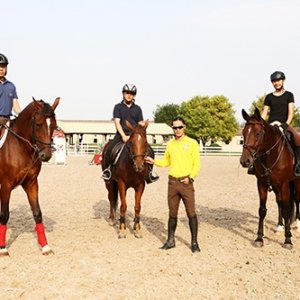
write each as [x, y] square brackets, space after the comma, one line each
[266, 148]
[129, 171]
[27, 145]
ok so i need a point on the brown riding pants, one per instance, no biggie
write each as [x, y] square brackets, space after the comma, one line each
[178, 190]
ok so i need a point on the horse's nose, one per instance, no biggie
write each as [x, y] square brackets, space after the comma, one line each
[246, 162]
[45, 156]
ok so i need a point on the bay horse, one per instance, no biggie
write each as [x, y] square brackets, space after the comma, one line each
[266, 148]
[129, 171]
[27, 145]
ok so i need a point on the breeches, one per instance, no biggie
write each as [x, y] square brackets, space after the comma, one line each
[178, 190]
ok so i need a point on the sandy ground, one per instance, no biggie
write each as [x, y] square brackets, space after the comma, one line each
[90, 262]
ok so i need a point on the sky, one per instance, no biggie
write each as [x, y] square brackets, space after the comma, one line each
[85, 51]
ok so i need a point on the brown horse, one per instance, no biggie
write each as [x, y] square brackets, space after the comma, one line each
[129, 171]
[266, 148]
[27, 145]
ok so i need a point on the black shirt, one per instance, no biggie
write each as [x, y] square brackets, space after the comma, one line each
[279, 106]
[132, 114]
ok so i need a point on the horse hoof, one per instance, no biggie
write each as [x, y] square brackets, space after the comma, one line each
[287, 246]
[122, 236]
[111, 223]
[4, 252]
[280, 228]
[258, 244]
[138, 235]
[47, 250]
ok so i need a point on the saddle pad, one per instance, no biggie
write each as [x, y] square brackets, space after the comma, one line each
[3, 138]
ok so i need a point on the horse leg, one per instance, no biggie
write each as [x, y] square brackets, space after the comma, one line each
[262, 211]
[280, 226]
[112, 187]
[138, 196]
[123, 209]
[297, 202]
[31, 189]
[287, 209]
[4, 216]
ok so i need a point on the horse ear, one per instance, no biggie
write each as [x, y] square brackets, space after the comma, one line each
[146, 124]
[245, 115]
[56, 102]
[128, 125]
[37, 104]
[257, 113]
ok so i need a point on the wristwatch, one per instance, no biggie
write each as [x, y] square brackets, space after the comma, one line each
[191, 180]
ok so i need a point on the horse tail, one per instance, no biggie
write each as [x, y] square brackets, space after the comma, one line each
[292, 200]
[115, 193]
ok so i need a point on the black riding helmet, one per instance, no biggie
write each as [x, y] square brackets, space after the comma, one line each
[129, 88]
[3, 59]
[277, 76]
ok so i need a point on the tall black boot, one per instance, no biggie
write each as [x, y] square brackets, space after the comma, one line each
[193, 223]
[297, 165]
[150, 176]
[170, 243]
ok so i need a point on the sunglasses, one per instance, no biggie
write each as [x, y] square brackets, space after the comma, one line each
[177, 127]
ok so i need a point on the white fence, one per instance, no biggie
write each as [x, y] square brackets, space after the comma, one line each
[158, 150]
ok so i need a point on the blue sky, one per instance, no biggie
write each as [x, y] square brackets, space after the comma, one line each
[85, 51]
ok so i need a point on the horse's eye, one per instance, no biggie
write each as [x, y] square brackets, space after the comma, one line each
[257, 134]
[38, 125]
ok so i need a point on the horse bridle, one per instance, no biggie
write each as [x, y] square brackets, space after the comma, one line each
[134, 156]
[33, 145]
[256, 154]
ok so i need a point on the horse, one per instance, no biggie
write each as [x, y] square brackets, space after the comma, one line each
[129, 171]
[267, 149]
[27, 145]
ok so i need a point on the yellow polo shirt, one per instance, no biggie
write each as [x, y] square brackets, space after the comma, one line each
[183, 158]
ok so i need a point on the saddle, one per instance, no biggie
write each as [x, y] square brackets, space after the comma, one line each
[116, 152]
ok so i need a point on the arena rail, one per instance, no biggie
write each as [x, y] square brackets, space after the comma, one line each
[159, 150]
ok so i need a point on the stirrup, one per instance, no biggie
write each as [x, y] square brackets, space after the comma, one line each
[251, 171]
[106, 174]
[297, 170]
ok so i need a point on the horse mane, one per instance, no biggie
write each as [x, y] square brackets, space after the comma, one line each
[139, 129]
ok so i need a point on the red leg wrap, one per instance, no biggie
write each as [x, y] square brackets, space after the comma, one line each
[39, 228]
[3, 235]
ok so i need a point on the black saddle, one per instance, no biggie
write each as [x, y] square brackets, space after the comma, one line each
[115, 152]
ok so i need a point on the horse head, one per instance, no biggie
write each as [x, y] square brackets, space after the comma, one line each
[254, 137]
[35, 125]
[137, 145]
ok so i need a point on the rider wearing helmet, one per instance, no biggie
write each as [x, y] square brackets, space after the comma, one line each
[281, 105]
[8, 94]
[126, 110]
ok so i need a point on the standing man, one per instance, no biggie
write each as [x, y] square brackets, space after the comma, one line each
[281, 105]
[126, 110]
[182, 155]
[8, 94]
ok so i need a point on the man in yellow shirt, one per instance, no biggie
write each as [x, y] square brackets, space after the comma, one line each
[182, 155]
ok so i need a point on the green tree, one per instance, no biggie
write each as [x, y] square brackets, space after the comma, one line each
[165, 113]
[209, 118]
[259, 103]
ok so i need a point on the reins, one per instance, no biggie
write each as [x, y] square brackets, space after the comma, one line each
[257, 154]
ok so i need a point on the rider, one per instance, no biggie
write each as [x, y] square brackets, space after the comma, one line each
[281, 105]
[126, 110]
[8, 94]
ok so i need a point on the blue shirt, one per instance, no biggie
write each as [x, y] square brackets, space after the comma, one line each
[7, 94]
[132, 114]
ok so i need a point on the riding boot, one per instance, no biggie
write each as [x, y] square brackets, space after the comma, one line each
[170, 243]
[193, 223]
[297, 165]
[106, 173]
[150, 176]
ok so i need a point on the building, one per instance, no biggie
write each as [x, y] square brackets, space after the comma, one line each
[88, 131]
